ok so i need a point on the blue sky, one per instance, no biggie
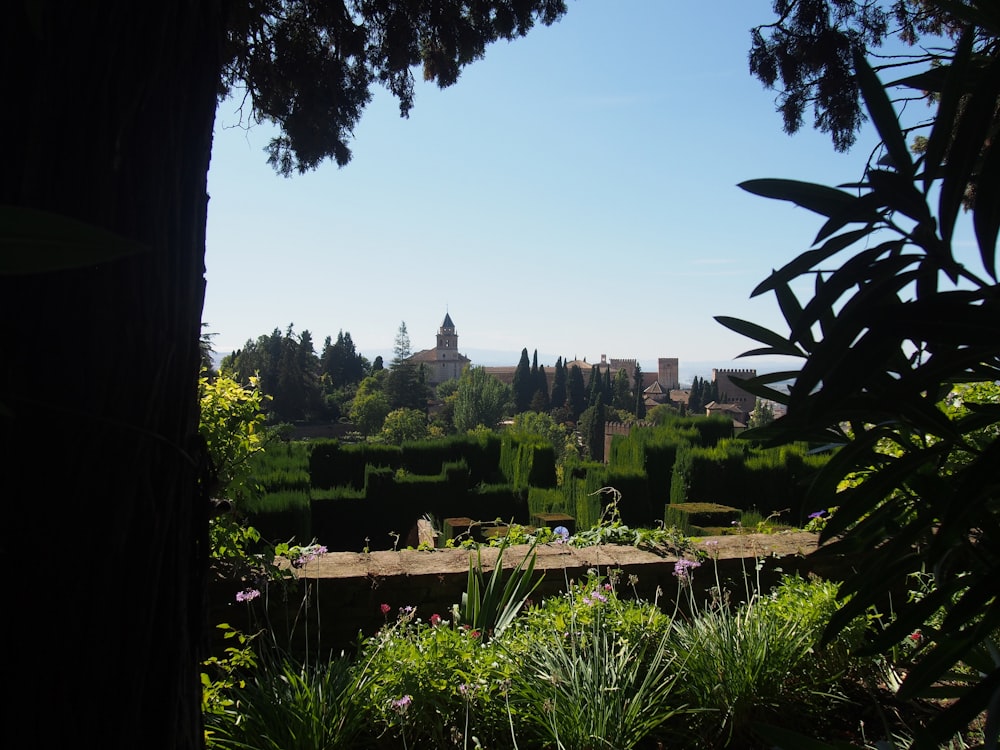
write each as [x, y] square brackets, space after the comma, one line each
[575, 193]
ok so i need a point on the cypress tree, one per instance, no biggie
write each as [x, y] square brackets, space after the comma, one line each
[576, 392]
[524, 386]
[541, 391]
[557, 398]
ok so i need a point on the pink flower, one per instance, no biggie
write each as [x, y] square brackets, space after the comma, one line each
[385, 609]
[247, 595]
[435, 620]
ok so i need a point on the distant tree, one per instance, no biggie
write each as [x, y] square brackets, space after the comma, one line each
[205, 347]
[540, 400]
[591, 429]
[480, 399]
[640, 397]
[557, 398]
[377, 364]
[543, 426]
[340, 362]
[287, 368]
[594, 386]
[406, 387]
[404, 424]
[369, 410]
[607, 391]
[621, 392]
[576, 392]
[762, 414]
[401, 346]
[524, 385]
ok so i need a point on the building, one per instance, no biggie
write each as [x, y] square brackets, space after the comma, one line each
[733, 400]
[444, 361]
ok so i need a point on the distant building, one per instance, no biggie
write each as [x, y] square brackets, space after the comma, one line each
[733, 400]
[444, 361]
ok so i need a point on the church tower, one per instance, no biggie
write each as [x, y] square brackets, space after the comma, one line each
[447, 338]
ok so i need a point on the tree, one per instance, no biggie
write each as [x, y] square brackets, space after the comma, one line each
[576, 392]
[591, 429]
[369, 410]
[558, 396]
[890, 342]
[621, 392]
[480, 400]
[401, 346]
[340, 362]
[401, 425]
[762, 414]
[540, 401]
[640, 396]
[524, 384]
[124, 191]
[809, 50]
[543, 426]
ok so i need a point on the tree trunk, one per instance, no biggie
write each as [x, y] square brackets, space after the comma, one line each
[108, 115]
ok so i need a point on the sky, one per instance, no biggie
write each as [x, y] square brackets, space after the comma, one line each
[574, 193]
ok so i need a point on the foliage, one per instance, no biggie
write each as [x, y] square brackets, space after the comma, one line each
[454, 681]
[490, 604]
[480, 399]
[369, 410]
[762, 414]
[884, 339]
[402, 425]
[541, 425]
[220, 677]
[231, 424]
[286, 705]
[754, 661]
[288, 372]
[589, 686]
[809, 49]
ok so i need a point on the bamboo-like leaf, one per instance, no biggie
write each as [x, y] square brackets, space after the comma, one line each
[883, 115]
[821, 199]
[33, 241]
[950, 96]
[809, 260]
[775, 341]
[865, 209]
[986, 211]
[973, 129]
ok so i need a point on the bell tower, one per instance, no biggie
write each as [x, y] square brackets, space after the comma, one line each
[447, 338]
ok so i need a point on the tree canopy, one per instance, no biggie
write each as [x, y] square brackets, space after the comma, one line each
[899, 345]
[308, 66]
[129, 174]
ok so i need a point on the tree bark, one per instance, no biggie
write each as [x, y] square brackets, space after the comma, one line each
[108, 116]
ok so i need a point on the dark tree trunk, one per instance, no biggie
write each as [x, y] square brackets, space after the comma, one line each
[107, 115]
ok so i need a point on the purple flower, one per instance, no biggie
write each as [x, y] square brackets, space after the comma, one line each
[684, 569]
[562, 532]
[247, 595]
[818, 514]
[400, 704]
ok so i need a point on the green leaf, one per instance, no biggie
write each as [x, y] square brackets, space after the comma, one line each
[777, 343]
[820, 199]
[883, 115]
[33, 241]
